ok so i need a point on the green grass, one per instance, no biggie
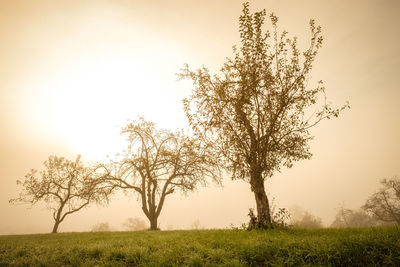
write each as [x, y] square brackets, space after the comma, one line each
[293, 247]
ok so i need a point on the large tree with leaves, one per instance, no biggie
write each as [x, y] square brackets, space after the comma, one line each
[157, 163]
[257, 112]
[65, 186]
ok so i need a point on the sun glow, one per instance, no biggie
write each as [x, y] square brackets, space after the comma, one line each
[86, 102]
[80, 79]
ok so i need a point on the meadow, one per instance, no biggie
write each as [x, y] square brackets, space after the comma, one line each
[230, 247]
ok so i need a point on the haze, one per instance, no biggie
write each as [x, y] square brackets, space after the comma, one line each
[72, 73]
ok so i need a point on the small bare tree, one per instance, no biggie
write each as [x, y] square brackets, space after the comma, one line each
[353, 218]
[135, 224]
[308, 221]
[157, 163]
[196, 225]
[65, 186]
[101, 227]
[384, 205]
[301, 218]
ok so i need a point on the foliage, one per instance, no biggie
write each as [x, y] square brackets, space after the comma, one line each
[253, 221]
[158, 162]
[280, 216]
[279, 220]
[384, 205]
[293, 247]
[135, 224]
[65, 186]
[256, 114]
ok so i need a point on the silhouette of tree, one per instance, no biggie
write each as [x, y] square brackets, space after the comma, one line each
[66, 187]
[157, 163]
[196, 225]
[101, 227]
[307, 220]
[135, 224]
[301, 218]
[353, 218]
[256, 114]
[385, 204]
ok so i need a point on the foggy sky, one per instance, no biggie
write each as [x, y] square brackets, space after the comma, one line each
[72, 72]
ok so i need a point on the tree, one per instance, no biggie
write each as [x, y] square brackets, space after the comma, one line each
[101, 227]
[301, 218]
[66, 187]
[158, 162]
[196, 225]
[135, 224]
[307, 221]
[353, 218]
[384, 205]
[256, 114]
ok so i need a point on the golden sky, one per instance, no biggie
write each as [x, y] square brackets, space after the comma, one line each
[72, 72]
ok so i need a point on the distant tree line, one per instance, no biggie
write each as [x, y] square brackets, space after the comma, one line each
[131, 224]
[381, 208]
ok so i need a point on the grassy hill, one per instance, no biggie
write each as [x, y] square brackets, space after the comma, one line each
[292, 247]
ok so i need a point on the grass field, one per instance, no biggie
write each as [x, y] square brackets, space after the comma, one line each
[292, 247]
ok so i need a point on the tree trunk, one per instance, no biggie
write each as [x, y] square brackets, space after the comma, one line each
[55, 227]
[153, 222]
[263, 211]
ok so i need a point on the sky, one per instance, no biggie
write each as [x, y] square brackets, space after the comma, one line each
[73, 72]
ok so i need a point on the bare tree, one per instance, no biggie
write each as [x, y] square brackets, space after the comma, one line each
[196, 225]
[65, 186]
[352, 218]
[135, 224]
[307, 221]
[157, 163]
[301, 218]
[101, 227]
[385, 204]
[256, 114]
